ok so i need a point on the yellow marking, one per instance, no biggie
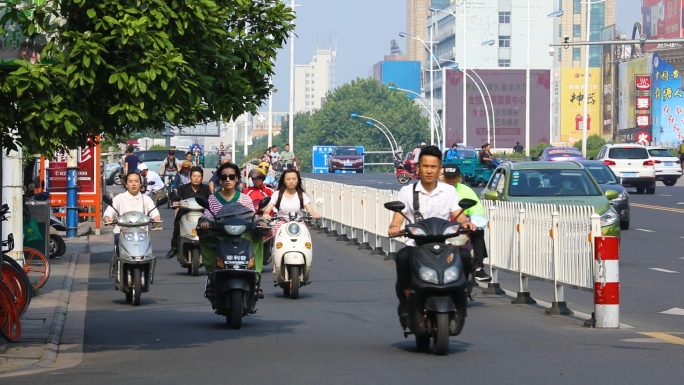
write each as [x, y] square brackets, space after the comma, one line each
[666, 337]
[643, 206]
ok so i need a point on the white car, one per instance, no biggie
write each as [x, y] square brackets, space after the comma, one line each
[632, 164]
[667, 166]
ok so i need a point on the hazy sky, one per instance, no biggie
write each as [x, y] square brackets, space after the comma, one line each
[361, 31]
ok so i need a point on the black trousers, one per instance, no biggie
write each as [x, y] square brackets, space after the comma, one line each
[403, 265]
[176, 228]
[477, 239]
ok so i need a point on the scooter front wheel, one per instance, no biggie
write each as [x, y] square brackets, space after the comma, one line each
[234, 298]
[442, 334]
[404, 178]
[137, 286]
[195, 261]
[294, 282]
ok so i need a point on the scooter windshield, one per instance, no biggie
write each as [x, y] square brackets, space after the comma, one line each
[432, 230]
[133, 219]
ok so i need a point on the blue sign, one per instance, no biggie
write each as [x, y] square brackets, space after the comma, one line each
[321, 156]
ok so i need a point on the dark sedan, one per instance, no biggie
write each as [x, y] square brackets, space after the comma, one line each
[608, 181]
[345, 158]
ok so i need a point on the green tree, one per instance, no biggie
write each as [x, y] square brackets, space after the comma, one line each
[120, 67]
[332, 124]
[594, 142]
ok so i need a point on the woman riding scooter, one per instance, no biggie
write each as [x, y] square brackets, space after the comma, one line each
[290, 197]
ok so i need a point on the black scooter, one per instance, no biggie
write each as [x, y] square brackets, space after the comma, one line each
[438, 292]
[233, 285]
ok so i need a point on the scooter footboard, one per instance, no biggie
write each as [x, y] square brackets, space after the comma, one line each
[440, 304]
[242, 280]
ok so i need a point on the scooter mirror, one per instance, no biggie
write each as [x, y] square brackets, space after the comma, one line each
[202, 201]
[466, 203]
[107, 199]
[150, 182]
[395, 206]
[162, 201]
[264, 202]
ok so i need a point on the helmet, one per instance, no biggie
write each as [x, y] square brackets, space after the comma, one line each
[257, 173]
[264, 165]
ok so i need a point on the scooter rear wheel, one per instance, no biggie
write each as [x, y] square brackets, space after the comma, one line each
[195, 262]
[404, 178]
[442, 334]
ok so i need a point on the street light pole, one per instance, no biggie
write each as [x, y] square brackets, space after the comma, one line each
[527, 87]
[270, 118]
[290, 121]
[465, 119]
[432, 82]
[585, 121]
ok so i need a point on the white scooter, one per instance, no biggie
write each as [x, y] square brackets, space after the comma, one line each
[188, 241]
[132, 267]
[292, 255]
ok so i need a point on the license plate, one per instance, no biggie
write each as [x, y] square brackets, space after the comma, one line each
[669, 164]
[629, 174]
[348, 164]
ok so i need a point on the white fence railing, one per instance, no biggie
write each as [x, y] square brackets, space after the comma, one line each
[545, 242]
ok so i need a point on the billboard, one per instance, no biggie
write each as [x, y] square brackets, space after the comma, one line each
[440, 3]
[403, 74]
[662, 19]
[667, 102]
[628, 72]
[573, 97]
[508, 91]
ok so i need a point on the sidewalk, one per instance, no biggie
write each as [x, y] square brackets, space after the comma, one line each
[43, 332]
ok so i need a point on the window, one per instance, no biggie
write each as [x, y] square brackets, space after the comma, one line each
[504, 63]
[576, 30]
[576, 54]
[504, 17]
[576, 7]
[504, 41]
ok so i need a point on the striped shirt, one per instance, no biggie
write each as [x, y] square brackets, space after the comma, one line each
[215, 205]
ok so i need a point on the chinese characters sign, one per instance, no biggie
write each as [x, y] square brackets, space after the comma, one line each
[667, 102]
[662, 19]
[507, 109]
[87, 177]
[573, 97]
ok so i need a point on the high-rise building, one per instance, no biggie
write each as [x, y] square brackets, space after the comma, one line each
[416, 13]
[573, 24]
[313, 81]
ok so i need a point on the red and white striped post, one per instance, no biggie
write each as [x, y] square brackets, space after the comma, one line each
[606, 282]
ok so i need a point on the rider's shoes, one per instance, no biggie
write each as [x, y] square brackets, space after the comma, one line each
[403, 316]
[482, 276]
[172, 253]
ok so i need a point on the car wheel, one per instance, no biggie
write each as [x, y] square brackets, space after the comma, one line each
[640, 190]
[650, 190]
[359, 171]
[669, 182]
[624, 225]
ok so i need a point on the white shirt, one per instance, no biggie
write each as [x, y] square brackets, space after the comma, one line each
[158, 182]
[274, 156]
[439, 203]
[416, 154]
[288, 205]
[126, 202]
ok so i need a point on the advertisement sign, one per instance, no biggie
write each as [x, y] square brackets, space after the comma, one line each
[320, 159]
[440, 3]
[508, 90]
[573, 98]
[87, 176]
[632, 76]
[662, 19]
[643, 103]
[667, 102]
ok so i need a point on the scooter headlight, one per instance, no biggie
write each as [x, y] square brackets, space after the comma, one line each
[293, 229]
[234, 230]
[451, 230]
[428, 274]
[134, 236]
[451, 274]
[416, 231]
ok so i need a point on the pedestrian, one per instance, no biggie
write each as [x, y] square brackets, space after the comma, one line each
[131, 161]
[518, 149]
[452, 176]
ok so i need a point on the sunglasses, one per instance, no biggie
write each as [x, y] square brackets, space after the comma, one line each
[224, 177]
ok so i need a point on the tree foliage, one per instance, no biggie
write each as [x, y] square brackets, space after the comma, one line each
[332, 124]
[594, 142]
[119, 67]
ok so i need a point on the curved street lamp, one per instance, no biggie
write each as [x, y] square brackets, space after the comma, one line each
[425, 106]
[386, 131]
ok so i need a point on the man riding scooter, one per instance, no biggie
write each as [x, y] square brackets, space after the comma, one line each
[427, 198]
[190, 190]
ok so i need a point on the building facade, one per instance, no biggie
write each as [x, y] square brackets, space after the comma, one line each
[416, 13]
[573, 24]
[313, 81]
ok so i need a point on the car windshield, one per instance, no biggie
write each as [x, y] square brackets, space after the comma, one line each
[661, 152]
[551, 182]
[346, 151]
[602, 174]
[628, 153]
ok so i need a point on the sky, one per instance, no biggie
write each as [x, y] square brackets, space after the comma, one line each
[361, 31]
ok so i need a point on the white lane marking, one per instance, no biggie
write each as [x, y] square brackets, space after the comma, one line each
[663, 270]
[665, 195]
[680, 203]
[645, 230]
[673, 311]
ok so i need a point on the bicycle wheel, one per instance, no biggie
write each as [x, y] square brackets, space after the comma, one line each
[37, 267]
[10, 326]
[17, 282]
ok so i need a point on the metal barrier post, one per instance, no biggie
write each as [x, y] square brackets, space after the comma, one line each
[606, 283]
[352, 228]
[558, 306]
[377, 250]
[523, 296]
[332, 232]
[344, 205]
[365, 242]
[493, 287]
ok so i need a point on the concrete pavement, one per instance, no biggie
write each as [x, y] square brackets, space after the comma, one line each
[43, 332]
